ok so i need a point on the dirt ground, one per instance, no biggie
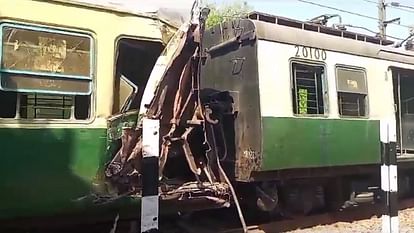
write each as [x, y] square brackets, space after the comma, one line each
[372, 225]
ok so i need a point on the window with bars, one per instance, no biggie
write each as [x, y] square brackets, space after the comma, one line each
[352, 92]
[43, 106]
[308, 89]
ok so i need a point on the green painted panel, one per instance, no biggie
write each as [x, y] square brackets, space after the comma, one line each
[42, 171]
[304, 143]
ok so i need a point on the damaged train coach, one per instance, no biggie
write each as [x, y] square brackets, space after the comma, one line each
[71, 82]
[280, 114]
[309, 103]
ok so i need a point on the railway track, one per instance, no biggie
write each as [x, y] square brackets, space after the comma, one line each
[287, 225]
[226, 221]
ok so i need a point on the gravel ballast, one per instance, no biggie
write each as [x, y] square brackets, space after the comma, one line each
[406, 218]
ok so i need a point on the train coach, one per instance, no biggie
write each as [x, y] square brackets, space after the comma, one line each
[290, 112]
[72, 75]
[310, 101]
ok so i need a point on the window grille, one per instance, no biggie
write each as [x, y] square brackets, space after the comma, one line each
[308, 89]
[352, 92]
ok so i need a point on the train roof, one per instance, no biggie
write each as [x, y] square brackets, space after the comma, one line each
[174, 13]
[290, 31]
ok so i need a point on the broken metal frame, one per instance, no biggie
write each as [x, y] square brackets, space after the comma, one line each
[186, 125]
[168, 126]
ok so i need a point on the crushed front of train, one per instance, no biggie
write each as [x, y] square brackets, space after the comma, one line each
[190, 172]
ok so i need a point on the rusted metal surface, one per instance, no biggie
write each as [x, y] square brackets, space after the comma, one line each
[184, 114]
[161, 107]
[248, 162]
[231, 65]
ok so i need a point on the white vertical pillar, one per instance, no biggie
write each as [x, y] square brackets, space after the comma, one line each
[150, 198]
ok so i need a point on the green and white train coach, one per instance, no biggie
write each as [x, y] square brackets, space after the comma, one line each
[310, 100]
[67, 71]
[308, 103]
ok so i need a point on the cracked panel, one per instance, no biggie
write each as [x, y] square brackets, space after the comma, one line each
[39, 51]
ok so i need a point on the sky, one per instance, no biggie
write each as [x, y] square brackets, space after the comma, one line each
[304, 11]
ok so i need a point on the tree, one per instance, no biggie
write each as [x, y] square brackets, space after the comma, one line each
[219, 14]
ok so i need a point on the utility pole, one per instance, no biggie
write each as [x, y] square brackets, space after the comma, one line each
[381, 18]
[382, 21]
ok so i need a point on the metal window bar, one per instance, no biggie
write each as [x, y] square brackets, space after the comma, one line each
[49, 106]
[307, 87]
[72, 109]
[316, 91]
[18, 104]
[296, 91]
[302, 80]
[347, 107]
[402, 151]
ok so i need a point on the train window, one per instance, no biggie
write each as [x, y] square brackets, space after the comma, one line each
[44, 73]
[43, 106]
[352, 92]
[39, 50]
[37, 59]
[307, 89]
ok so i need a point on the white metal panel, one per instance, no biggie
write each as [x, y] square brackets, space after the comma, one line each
[292, 35]
[275, 89]
[274, 79]
[175, 12]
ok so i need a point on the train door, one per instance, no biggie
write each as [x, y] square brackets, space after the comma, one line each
[134, 60]
[403, 83]
[133, 64]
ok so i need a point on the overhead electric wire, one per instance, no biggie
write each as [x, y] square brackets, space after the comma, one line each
[337, 9]
[369, 30]
[349, 12]
[402, 9]
[394, 7]
[371, 1]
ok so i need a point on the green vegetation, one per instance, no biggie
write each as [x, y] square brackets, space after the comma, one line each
[221, 13]
[303, 101]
